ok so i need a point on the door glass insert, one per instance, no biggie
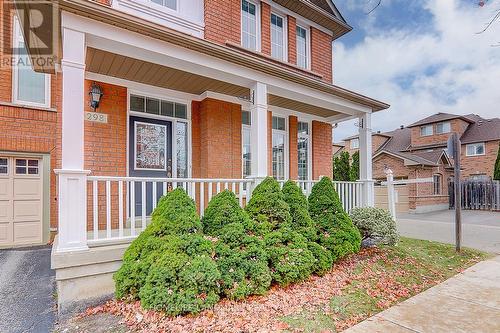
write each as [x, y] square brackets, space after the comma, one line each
[150, 146]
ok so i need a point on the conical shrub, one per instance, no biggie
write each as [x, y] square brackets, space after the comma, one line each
[297, 201]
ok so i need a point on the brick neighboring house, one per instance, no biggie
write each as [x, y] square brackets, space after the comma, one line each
[204, 94]
[419, 151]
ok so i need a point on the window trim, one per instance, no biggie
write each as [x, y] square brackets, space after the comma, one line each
[442, 123]
[154, 5]
[257, 23]
[287, 144]
[427, 126]
[351, 145]
[285, 34]
[308, 45]
[475, 144]
[16, 38]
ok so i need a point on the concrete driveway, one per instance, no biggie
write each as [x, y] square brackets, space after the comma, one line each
[27, 286]
[480, 229]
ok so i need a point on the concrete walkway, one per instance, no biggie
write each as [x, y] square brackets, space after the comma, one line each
[468, 302]
[27, 302]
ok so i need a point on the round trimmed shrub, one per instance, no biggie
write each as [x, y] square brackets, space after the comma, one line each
[301, 220]
[223, 209]
[267, 207]
[178, 283]
[337, 233]
[376, 225]
[175, 214]
[290, 259]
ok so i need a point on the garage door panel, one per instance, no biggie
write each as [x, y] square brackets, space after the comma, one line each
[5, 188]
[27, 188]
[5, 233]
[27, 232]
[5, 210]
[28, 210]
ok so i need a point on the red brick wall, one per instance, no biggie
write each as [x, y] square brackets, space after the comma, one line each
[223, 21]
[106, 148]
[321, 54]
[265, 21]
[321, 149]
[292, 40]
[480, 165]
[457, 126]
[293, 154]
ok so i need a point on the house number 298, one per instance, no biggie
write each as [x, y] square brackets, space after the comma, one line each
[96, 117]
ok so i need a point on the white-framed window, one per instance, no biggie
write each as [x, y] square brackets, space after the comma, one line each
[279, 147]
[355, 143]
[475, 149]
[171, 4]
[302, 47]
[444, 127]
[246, 143]
[28, 86]
[278, 49]
[4, 166]
[176, 112]
[249, 25]
[426, 130]
[303, 150]
[437, 184]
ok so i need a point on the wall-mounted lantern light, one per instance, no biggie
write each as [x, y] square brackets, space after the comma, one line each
[95, 95]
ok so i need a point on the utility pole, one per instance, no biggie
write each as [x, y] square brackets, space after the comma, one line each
[454, 148]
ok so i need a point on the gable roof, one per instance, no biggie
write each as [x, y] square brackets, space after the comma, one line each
[482, 130]
[444, 116]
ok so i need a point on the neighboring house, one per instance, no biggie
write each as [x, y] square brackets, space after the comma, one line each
[206, 95]
[419, 151]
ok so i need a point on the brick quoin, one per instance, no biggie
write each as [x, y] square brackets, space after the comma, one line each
[293, 150]
[223, 21]
[321, 54]
[321, 149]
[292, 39]
[265, 20]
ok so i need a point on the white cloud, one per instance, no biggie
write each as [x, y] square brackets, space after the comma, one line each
[444, 68]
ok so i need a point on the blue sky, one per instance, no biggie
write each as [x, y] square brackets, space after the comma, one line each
[420, 56]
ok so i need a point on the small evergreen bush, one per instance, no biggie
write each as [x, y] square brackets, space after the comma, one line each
[323, 260]
[223, 209]
[297, 201]
[267, 207]
[336, 230]
[376, 225]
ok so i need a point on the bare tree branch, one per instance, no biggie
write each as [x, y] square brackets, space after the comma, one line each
[375, 7]
[488, 25]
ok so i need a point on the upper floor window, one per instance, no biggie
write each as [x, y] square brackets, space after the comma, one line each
[444, 127]
[29, 87]
[426, 130]
[475, 149]
[249, 25]
[172, 4]
[302, 48]
[355, 143]
[277, 37]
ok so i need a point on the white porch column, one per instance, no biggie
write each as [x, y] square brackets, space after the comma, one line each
[365, 159]
[72, 179]
[259, 130]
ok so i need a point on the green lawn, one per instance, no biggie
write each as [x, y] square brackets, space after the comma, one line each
[384, 278]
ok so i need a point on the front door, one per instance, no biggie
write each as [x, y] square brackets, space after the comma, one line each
[150, 156]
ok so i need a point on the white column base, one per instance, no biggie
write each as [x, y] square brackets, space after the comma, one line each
[72, 199]
[368, 192]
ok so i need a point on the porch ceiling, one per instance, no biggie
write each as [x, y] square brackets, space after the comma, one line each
[132, 69]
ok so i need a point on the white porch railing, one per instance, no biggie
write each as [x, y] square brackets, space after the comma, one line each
[119, 208]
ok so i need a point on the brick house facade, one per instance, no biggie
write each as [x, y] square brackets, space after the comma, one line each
[419, 151]
[201, 94]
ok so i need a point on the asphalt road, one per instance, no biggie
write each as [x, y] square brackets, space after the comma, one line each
[27, 286]
[480, 229]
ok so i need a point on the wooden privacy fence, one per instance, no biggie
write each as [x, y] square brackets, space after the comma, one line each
[477, 194]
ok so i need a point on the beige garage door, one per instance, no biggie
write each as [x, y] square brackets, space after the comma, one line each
[20, 201]
[402, 202]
